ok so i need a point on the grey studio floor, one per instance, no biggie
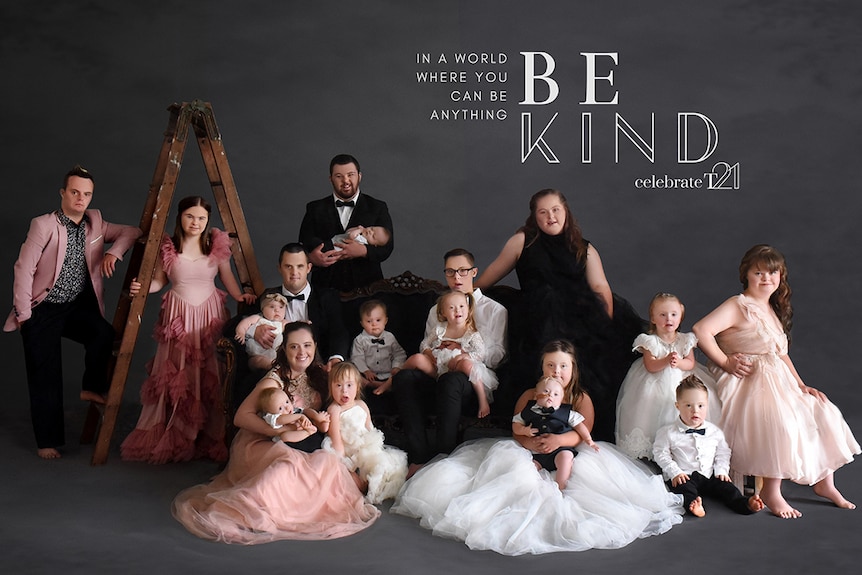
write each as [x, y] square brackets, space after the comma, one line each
[67, 516]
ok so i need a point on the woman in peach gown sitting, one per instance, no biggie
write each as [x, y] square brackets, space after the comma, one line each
[269, 490]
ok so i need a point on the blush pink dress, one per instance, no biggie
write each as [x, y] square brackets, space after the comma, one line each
[270, 491]
[182, 416]
[773, 428]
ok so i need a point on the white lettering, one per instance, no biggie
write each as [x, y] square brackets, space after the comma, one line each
[592, 78]
[527, 144]
[530, 77]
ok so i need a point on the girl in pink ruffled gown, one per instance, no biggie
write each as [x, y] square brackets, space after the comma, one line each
[182, 416]
[777, 427]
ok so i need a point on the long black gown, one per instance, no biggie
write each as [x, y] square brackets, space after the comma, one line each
[559, 304]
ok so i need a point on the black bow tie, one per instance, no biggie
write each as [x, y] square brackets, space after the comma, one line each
[700, 431]
[380, 341]
[348, 203]
[542, 410]
[300, 297]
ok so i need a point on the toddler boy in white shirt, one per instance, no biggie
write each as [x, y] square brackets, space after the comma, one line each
[376, 352]
[694, 455]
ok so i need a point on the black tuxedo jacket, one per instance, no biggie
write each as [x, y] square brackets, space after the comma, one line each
[321, 222]
[324, 313]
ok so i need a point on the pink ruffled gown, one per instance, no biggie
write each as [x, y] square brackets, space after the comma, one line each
[775, 430]
[182, 416]
[270, 491]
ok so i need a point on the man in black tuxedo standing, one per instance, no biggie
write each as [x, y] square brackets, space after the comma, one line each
[355, 264]
[319, 306]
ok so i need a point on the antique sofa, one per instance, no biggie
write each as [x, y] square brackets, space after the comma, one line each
[408, 298]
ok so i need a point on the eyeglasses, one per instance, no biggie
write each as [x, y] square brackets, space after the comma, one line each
[450, 273]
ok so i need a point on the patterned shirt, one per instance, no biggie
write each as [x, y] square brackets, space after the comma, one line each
[73, 275]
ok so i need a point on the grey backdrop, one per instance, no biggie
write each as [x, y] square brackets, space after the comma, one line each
[293, 83]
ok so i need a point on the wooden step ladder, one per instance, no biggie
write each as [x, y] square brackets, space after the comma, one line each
[198, 116]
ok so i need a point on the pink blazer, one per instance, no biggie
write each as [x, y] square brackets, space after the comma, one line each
[42, 254]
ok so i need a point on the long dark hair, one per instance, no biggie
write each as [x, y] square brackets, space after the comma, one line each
[770, 259]
[571, 230]
[206, 236]
[316, 373]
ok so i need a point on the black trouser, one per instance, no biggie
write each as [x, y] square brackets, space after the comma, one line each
[82, 322]
[417, 395]
[725, 491]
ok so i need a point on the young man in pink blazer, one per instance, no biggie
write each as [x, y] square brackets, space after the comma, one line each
[57, 292]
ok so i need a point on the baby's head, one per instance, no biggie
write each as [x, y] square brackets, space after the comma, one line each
[372, 316]
[549, 392]
[273, 306]
[274, 400]
[666, 312]
[376, 235]
[692, 401]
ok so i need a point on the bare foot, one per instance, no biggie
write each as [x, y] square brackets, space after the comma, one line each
[48, 453]
[779, 506]
[412, 469]
[755, 503]
[696, 507]
[830, 492]
[92, 396]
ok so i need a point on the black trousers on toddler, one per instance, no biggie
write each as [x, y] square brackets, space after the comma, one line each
[725, 491]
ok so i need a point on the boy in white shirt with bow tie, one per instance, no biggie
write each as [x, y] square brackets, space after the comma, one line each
[694, 455]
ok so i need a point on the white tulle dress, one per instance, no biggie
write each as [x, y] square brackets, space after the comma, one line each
[646, 400]
[489, 494]
[472, 344]
[382, 466]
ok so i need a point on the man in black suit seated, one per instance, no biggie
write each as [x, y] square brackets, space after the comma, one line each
[319, 306]
[355, 264]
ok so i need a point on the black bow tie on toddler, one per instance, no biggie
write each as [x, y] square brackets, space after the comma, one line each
[700, 431]
[542, 410]
[348, 203]
[300, 297]
[381, 341]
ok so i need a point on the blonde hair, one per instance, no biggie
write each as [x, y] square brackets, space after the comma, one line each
[548, 379]
[471, 322]
[266, 394]
[660, 297]
[342, 371]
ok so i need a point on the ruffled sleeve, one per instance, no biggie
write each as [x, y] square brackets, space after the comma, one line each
[434, 337]
[221, 246]
[765, 325]
[651, 343]
[748, 311]
[168, 253]
[685, 342]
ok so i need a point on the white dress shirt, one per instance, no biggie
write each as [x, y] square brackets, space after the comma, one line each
[676, 451]
[377, 357]
[297, 310]
[491, 322]
[344, 212]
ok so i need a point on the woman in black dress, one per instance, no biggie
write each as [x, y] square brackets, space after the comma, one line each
[567, 296]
